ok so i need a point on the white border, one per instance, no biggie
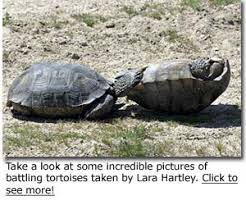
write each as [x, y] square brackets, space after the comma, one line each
[155, 193]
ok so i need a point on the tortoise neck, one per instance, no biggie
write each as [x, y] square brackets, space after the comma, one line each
[121, 88]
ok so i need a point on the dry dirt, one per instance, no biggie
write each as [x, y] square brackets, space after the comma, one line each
[111, 35]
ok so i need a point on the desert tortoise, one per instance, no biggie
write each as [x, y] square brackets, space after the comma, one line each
[60, 90]
[182, 86]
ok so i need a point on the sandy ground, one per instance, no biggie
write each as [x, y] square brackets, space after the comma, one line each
[110, 36]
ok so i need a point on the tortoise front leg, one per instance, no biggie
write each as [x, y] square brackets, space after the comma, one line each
[100, 108]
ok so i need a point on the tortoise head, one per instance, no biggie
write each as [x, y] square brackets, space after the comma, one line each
[126, 80]
[207, 68]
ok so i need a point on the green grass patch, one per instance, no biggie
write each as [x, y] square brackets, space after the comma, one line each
[194, 4]
[22, 142]
[130, 142]
[107, 141]
[89, 19]
[130, 10]
[6, 56]
[183, 41]
[173, 36]
[201, 152]
[25, 136]
[63, 137]
[153, 10]
[57, 23]
[135, 133]
[222, 2]
[172, 123]
[154, 6]
[219, 147]
[155, 15]
[156, 128]
[60, 24]
[164, 148]
[6, 19]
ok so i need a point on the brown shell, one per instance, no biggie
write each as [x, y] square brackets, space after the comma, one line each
[170, 87]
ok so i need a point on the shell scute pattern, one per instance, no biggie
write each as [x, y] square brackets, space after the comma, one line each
[172, 87]
[56, 89]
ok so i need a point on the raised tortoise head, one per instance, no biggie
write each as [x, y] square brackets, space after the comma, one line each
[126, 80]
[207, 68]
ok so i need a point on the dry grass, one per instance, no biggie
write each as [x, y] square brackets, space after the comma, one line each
[89, 19]
[182, 41]
[152, 10]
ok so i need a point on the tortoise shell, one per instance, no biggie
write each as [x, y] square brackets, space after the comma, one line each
[56, 89]
[173, 87]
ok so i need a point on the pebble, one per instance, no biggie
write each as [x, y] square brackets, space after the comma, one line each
[23, 45]
[63, 42]
[47, 49]
[25, 52]
[36, 31]
[230, 22]
[84, 44]
[110, 25]
[75, 56]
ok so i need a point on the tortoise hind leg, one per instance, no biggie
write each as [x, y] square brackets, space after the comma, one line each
[100, 107]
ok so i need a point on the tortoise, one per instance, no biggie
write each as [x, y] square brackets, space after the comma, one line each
[182, 86]
[62, 90]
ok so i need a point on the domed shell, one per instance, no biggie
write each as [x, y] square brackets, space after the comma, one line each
[171, 87]
[57, 87]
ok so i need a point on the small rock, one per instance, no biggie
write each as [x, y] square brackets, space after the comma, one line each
[230, 22]
[162, 33]
[75, 56]
[84, 44]
[42, 23]
[23, 45]
[35, 31]
[110, 25]
[69, 54]
[45, 30]
[25, 52]
[238, 21]
[47, 49]
[63, 42]
[216, 49]
[15, 29]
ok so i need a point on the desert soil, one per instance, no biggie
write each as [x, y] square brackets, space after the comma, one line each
[109, 36]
